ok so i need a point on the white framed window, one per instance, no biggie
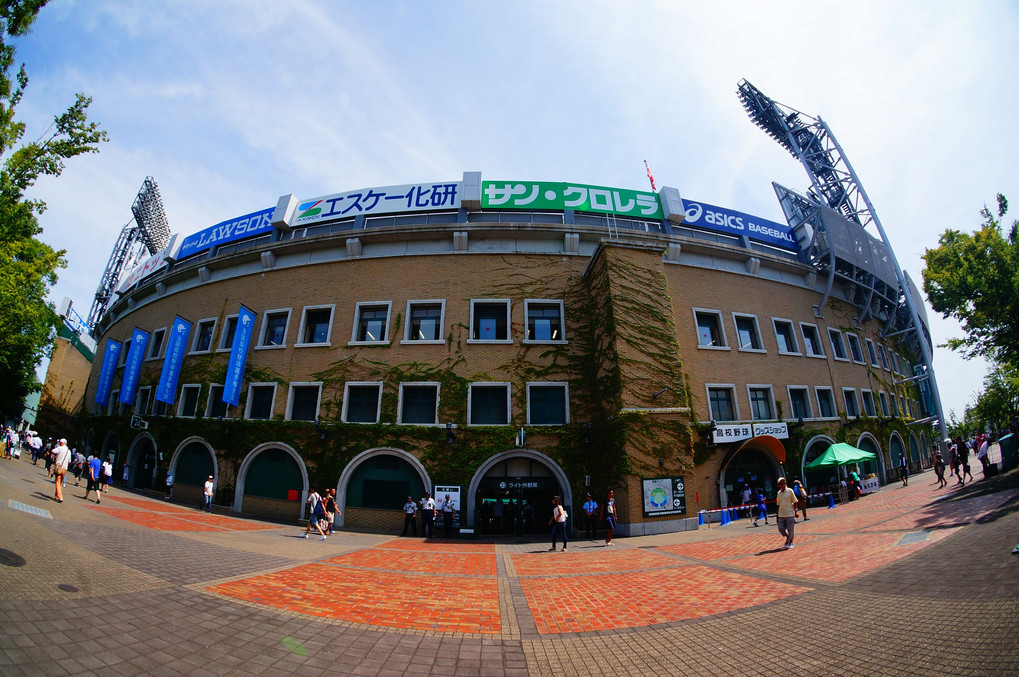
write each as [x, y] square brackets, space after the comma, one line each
[868, 402]
[371, 323]
[748, 334]
[122, 359]
[825, 402]
[226, 336]
[543, 320]
[882, 356]
[261, 400]
[811, 340]
[785, 336]
[425, 321]
[548, 403]
[895, 405]
[156, 344]
[187, 403]
[902, 405]
[838, 346]
[488, 404]
[871, 353]
[113, 406]
[159, 408]
[141, 400]
[710, 329]
[273, 333]
[419, 404]
[799, 402]
[855, 349]
[316, 326]
[303, 401]
[883, 398]
[762, 402]
[202, 342]
[722, 403]
[215, 407]
[362, 401]
[490, 321]
[852, 405]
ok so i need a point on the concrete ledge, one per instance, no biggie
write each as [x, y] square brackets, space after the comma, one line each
[652, 528]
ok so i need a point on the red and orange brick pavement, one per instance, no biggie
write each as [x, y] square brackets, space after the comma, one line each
[868, 584]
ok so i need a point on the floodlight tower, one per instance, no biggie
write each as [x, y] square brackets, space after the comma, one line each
[147, 232]
[830, 225]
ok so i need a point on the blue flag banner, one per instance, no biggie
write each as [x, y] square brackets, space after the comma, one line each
[176, 346]
[133, 367]
[110, 359]
[238, 356]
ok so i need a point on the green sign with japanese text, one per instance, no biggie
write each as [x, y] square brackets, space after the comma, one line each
[558, 196]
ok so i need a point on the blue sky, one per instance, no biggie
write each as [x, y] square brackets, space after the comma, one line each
[230, 104]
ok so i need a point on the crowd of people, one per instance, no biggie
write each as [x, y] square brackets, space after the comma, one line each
[60, 461]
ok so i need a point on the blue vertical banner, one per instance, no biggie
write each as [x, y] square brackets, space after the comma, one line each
[238, 356]
[133, 366]
[176, 346]
[110, 359]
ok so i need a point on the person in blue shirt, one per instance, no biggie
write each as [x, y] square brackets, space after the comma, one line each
[762, 508]
[591, 515]
[95, 474]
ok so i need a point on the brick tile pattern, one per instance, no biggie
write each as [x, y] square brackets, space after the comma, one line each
[606, 602]
[578, 563]
[440, 604]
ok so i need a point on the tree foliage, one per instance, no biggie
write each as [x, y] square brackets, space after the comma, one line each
[28, 266]
[974, 277]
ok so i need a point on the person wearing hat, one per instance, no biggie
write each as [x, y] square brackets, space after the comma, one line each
[591, 515]
[410, 511]
[207, 495]
[61, 458]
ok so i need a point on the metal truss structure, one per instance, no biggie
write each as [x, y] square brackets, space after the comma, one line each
[831, 223]
[146, 234]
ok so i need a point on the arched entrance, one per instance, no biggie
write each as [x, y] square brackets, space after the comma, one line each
[867, 468]
[141, 462]
[272, 482]
[896, 451]
[915, 454]
[757, 463]
[820, 479]
[192, 464]
[511, 493]
[375, 485]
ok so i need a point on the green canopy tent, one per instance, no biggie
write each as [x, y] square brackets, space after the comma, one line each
[840, 454]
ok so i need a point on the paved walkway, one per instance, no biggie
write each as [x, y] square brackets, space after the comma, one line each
[910, 580]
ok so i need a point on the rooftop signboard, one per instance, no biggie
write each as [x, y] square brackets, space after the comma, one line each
[559, 196]
[238, 228]
[732, 222]
[414, 197]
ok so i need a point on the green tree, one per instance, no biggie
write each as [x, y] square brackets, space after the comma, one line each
[28, 266]
[974, 277]
[997, 407]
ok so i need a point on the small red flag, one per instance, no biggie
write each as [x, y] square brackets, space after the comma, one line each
[650, 178]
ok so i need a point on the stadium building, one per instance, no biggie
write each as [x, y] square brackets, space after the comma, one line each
[506, 341]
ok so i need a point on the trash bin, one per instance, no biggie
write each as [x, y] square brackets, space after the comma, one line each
[1009, 445]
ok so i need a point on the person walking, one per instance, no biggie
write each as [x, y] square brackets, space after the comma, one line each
[207, 495]
[410, 511]
[107, 474]
[609, 514]
[169, 486]
[590, 516]
[785, 501]
[904, 470]
[964, 460]
[61, 460]
[939, 470]
[762, 508]
[801, 497]
[316, 515]
[95, 474]
[558, 523]
[331, 510]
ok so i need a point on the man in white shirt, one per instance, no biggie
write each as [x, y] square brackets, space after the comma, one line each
[428, 515]
[787, 504]
[207, 495]
[448, 510]
[61, 459]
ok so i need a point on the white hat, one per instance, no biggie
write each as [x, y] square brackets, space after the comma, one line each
[62, 441]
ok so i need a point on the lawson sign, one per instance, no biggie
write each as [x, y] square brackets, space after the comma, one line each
[729, 221]
[239, 228]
